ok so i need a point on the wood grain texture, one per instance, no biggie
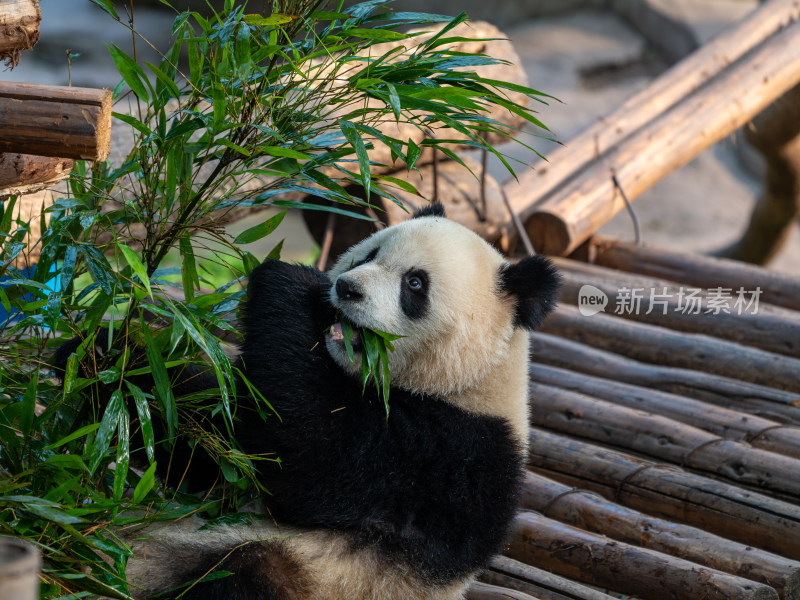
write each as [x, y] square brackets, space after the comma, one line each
[19, 28]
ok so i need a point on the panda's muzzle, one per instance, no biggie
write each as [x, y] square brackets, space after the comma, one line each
[348, 291]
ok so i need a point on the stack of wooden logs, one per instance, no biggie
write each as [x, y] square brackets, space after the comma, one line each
[665, 447]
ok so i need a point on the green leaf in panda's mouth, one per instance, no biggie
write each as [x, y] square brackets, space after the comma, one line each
[375, 348]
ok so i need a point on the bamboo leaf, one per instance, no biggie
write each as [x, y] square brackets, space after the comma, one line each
[137, 267]
[131, 73]
[111, 418]
[161, 380]
[145, 484]
[261, 230]
[351, 133]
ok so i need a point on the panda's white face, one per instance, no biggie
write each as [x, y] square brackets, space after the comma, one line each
[435, 283]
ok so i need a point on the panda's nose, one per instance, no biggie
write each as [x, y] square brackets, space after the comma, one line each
[348, 290]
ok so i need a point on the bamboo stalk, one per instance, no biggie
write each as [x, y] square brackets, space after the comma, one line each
[665, 491]
[516, 575]
[662, 346]
[772, 404]
[664, 439]
[723, 313]
[19, 28]
[575, 211]
[591, 512]
[58, 121]
[759, 432]
[597, 560]
[698, 270]
[681, 80]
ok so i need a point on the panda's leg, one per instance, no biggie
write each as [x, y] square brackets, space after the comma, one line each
[263, 570]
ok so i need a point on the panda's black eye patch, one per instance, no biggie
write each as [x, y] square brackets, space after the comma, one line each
[414, 293]
[367, 259]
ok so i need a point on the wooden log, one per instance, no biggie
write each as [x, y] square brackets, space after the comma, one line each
[731, 314]
[598, 560]
[26, 173]
[591, 512]
[681, 80]
[575, 211]
[663, 439]
[19, 28]
[665, 491]
[662, 346]
[58, 121]
[776, 288]
[761, 433]
[516, 575]
[776, 405]
[485, 591]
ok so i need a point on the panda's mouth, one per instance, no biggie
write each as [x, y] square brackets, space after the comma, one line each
[336, 334]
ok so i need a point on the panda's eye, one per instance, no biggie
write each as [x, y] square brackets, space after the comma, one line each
[414, 283]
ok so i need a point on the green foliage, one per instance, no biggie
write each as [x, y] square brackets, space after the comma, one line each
[241, 108]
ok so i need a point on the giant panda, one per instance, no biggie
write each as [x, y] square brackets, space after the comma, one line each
[365, 506]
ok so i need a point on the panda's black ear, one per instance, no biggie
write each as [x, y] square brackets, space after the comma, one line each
[435, 209]
[535, 283]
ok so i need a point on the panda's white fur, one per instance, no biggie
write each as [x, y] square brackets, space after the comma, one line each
[467, 349]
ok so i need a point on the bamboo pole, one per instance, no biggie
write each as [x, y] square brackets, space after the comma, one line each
[776, 405]
[665, 491]
[575, 211]
[759, 432]
[681, 80]
[663, 439]
[591, 512]
[597, 560]
[58, 121]
[698, 270]
[662, 346]
[516, 575]
[485, 591]
[26, 173]
[19, 28]
[724, 313]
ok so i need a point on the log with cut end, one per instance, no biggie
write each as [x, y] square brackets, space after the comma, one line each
[734, 314]
[516, 575]
[19, 28]
[621, 567]
[661, 346]
[681, 80]
[693, 269]
[57, 121]
[666, 491]
[776, 405]
[25, 173]
[664, 439]
[588, 200]
[761, 433]
[591, 512]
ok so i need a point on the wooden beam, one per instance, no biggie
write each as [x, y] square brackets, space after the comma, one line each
[665, 491]
[624, 568]
[576, 210]
[591, 512]
[26, 173]
[683, 79]
[57, 121]
[19, 28]
[698, 270]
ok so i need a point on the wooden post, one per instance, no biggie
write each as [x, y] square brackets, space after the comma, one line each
[683, 79]
[27, 173]
[575, 211]
[19, 28]
[765, 434]
[621, 567]
[698, 270]
[57, 121]
[661, 346]
[767, 402]
[665, 491]
[591, 512]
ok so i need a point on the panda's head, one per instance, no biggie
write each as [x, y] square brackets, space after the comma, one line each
[458, 305]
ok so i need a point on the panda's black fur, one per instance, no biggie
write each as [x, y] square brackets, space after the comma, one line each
[432, 488]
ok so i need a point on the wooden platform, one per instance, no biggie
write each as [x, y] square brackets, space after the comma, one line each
[665, 443]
